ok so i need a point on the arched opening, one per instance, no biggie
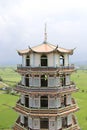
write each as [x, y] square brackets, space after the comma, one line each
[63, 80]
[26, 101]
[28, 60]
[25, 121]
[27, 80]
[44, 123]
[44, 60]
[64, 122]
[44, 102]
[61, 60]
[44, 81]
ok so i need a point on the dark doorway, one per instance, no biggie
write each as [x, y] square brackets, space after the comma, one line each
[28, 60]
[44, 102]
[44, 123]
[63, 80]
[64, 122]
[27, 80]
[64, 100]
[43, 60]
[26, 101]
[44, 81]
[25, 121]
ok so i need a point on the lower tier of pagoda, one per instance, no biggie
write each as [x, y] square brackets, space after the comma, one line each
[46, 112]
[24, 126]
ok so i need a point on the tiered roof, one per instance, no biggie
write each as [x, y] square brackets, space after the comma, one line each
[45, 48]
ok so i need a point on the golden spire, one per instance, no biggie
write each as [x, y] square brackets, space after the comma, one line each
[45, 33]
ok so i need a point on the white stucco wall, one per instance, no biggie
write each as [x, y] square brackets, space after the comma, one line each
[23, 60]
[22, 118]
[69, 119]
[67, 79]
[58, 102]
[22, 99]
[36, 123]
[66, 57]
[68, 99]
[30, 123]
[36, 81]
[30, 101]
[59, 123]
[36, 60]
[52, 123]
[31, 59]
[50, 60]
[23, 80]
[51, 81]
[51, 102]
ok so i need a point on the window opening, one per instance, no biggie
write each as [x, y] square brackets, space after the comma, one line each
[44, 102]
[44, 81]
[44, 123]
[64, 122]
[26, 101]
[61, 60]
[27, 80]
[44, 60]
[25, 121]
[28, 60]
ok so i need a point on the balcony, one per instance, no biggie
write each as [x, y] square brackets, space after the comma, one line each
[20, 126]
[46, 90]
[44, 69]
[45, 112]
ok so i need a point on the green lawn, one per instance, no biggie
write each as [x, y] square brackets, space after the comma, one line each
[9, 75]
[80, 78]
[7, 114]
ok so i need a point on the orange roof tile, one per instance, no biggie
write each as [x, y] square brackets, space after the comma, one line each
[45, 48]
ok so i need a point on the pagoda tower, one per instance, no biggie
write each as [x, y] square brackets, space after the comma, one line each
[46, 101]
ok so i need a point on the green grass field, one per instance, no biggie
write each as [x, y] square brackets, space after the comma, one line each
[80, 78]
[7, 101]
[9, 76]
[7, 114]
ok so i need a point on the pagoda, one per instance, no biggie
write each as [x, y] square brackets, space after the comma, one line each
[46, 101]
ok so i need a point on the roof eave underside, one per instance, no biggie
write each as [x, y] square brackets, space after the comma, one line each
[55, 50]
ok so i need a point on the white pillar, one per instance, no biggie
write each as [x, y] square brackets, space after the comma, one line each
[59, 123]
[58, 102]
[69, 119]
[30, 122]
[22, 99]
[22, 119]
[23, 80]
[66, 60]
[52, 123]
[58, 61]
[68, 99]
[36, 123]
[24, 60]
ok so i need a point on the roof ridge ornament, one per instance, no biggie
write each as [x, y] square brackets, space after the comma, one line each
[45, 33]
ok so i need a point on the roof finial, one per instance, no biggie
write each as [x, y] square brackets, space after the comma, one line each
[45, 33]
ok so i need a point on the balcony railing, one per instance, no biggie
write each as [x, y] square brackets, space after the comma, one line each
[47, 111]
[45, 68]
[46, 90]
[19, 126]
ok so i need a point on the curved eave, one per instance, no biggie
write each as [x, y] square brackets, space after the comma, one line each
[46, 48]
[23, 52]
[65, 51]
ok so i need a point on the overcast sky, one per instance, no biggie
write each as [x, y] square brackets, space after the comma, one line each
[22, 25]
